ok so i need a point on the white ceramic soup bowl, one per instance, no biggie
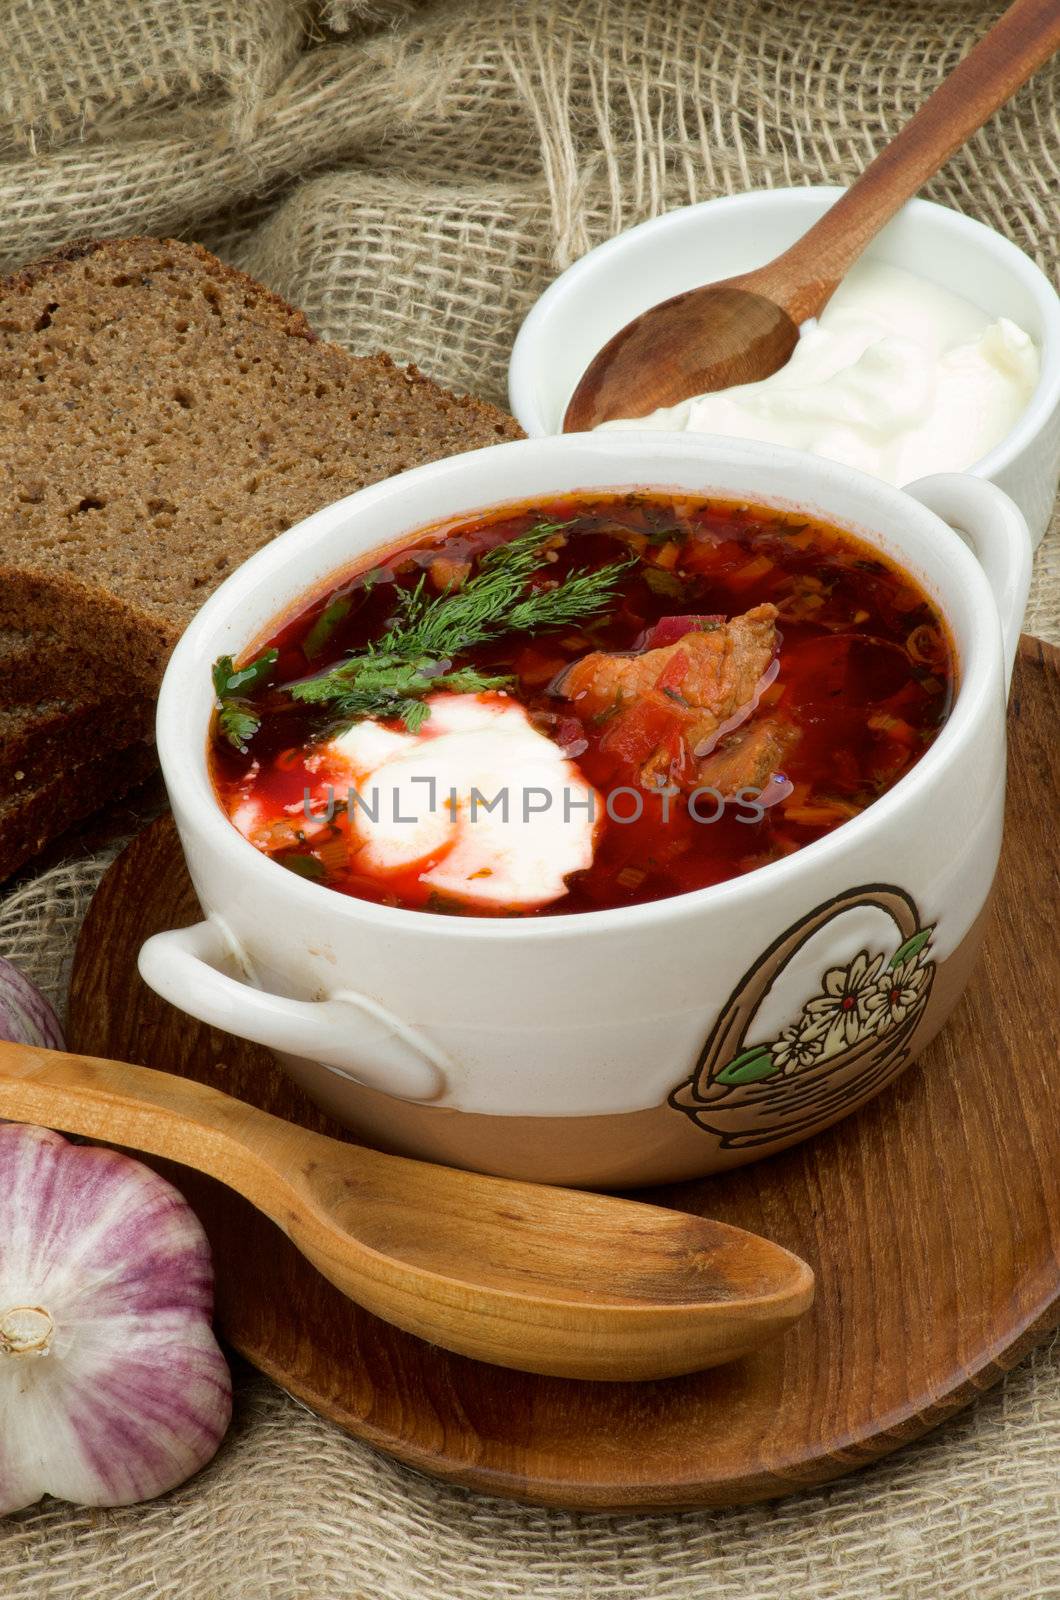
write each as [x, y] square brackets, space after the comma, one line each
[625, 1046]
[697, 244]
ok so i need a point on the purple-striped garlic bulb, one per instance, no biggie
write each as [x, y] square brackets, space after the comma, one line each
[112, 1386]
[25, 1015]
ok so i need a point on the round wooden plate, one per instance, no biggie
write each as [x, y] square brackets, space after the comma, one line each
[932, 1220]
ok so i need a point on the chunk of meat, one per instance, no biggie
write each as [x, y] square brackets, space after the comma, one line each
[749, 757]
[696, 685]
[715, 669]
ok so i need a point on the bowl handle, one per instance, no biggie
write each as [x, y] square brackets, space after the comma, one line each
[349, 1032]
[995, 531]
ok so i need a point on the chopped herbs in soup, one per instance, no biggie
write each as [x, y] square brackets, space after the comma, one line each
[581, 703]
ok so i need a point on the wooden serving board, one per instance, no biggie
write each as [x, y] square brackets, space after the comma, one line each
[932, 1220]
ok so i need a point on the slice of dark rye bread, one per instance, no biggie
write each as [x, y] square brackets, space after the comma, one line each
[37, 664]
[37, 739]
[162, 416]
[32, 820]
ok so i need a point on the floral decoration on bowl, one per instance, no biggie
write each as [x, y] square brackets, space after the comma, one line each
[847, 1039]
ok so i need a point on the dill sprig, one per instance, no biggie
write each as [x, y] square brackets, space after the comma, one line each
[414, 656]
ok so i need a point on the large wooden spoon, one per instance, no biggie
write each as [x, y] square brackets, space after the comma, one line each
[546, 1280]
[744, 328]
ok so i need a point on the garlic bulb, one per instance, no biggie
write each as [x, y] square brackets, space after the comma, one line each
[112, 1386]
[26, 1017]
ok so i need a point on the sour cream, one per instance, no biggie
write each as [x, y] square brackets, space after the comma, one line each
[899, 377]
[485, 808]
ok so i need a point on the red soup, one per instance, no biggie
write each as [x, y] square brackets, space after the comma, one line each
[581, 703]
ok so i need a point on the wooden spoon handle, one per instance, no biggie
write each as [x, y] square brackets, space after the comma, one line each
[435, 1257]
[803, 279]
[159, 1113]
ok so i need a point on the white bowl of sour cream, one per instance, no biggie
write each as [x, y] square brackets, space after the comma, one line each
[939, 352]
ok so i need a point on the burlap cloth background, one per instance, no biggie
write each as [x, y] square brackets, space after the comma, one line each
[413, 175]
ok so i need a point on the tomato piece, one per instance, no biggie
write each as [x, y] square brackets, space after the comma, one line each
[673, 674]
[636, 733]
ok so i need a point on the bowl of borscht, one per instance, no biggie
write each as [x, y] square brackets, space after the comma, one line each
[606, 809]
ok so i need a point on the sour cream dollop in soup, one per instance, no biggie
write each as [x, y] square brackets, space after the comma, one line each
[898, 376]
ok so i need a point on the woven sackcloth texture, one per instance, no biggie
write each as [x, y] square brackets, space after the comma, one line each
[413, 174]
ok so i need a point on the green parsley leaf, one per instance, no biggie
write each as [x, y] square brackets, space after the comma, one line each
[237, 719]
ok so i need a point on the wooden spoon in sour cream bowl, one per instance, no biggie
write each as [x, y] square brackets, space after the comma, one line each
[745, 328]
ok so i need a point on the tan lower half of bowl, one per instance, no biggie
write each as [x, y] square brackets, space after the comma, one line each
[661, 1144]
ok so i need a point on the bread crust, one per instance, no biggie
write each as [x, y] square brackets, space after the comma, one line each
[28, 276]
